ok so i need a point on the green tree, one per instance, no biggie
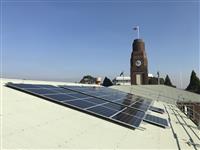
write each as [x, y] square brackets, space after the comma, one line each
[88, 79]
[168, 81]
[194, 85]
[107, 82]
[154, 80]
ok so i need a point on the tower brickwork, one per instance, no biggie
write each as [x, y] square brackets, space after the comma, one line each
[139, 63]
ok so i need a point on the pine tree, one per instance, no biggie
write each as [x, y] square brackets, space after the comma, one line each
[107, 82]
[194, 85]
[168, 81]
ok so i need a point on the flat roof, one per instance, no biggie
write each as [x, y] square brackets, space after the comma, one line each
[32, 122]
[162, 93]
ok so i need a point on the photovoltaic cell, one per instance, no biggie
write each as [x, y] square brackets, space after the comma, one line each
[114, 106]
[156, 120]
[78, 95]
[60, 97]
[80, 103]
[120, 107]
[140, 106]
[144, 102]
[45, 86]
[93, 91]
[132, 97]
[93, 105]
[131, 120]
[42, 91]
[61, 90]
[103, 111]
[114, 96]
[95, 94]
[27, 86]
[134, 112]
[126, 102]
[95, 100]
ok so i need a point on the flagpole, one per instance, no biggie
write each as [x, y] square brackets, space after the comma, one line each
[181, 79]
[138, 31]
[123, 78]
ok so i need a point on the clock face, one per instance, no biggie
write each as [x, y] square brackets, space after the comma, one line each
[138, 63]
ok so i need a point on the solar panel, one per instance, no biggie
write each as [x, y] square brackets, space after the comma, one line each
[26, 85]
[42, 91]
[140, 106]
[156, 109]
[114, 106]
[114, 96]
[156, 120]
[105, 109]
[96, 91]
[60, 97]
[95, 100]
[129, 119]
[80, 103]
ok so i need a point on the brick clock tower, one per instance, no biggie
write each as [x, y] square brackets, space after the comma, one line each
[139, 63]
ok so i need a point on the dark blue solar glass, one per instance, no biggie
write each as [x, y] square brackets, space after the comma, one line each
[60, 97]
[132, 97]
[95, 91]
[140, 106]
[80, 103]
[114, 106]
[104, 92]
[46, 86]
[61, 90]
[78, 95]
[113, 97]
[103, 111]
[74, 88]
[82, 90]
[145, 102]
[41, 91]
[95, 100]
[117, 97]
[88, 103]
[128, 119]
[156, 120]
[134, 112]
[126, 102]
[25, 85]
[95, 94]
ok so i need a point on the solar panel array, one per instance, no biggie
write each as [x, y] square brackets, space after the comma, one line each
[113, 105]
[115, 96]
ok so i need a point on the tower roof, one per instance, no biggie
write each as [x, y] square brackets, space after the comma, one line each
[138, 40]
[138, 45]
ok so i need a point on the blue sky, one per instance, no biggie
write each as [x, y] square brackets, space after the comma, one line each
[64, 40]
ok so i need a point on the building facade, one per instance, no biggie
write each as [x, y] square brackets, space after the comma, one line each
[122, 80]
[139, 63]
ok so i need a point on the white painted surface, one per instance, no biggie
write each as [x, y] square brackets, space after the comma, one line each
[138, 79]
[30, 122]
[122, 80]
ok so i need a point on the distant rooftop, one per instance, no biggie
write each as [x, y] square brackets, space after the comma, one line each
[32, 122]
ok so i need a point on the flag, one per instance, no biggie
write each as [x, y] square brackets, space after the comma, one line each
[158, 73]
[122, 73]
[136, 28]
